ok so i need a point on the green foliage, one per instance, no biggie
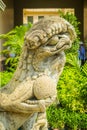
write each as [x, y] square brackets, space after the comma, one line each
[60, 118]
[69, 88]
[12, 49]
[13, 44]
[55, 117]
[5, 77]
[72, 94]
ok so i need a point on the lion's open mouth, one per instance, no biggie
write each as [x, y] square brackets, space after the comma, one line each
[58, 43]
[63, 47]
[57, 48]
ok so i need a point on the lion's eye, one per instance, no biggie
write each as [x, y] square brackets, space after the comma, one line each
[53, 41]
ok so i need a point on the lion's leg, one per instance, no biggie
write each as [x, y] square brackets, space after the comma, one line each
[30, 122]
[41, 122]
[36, 122]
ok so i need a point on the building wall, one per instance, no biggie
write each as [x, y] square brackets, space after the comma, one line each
[6, 18]
[20, 4]
[85, 20]
[33, 15]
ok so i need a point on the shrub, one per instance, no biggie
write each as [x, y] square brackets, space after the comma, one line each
[71, 109]
[5, 77]
[13, 45]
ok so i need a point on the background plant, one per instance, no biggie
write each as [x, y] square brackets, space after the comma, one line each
[13, 44]
[5, 77]
[12, 49]
[71, 110]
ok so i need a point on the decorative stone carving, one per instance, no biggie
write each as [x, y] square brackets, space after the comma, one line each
[23, 101]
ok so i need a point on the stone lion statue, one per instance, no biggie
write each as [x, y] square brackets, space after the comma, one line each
[23, 101]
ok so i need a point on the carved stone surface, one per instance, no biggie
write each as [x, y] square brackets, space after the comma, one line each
[23, 101]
